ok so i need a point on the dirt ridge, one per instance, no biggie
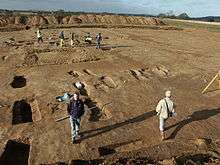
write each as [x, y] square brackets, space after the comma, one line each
[84, 19]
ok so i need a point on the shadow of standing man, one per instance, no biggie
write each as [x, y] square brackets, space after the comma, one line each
[196, 116]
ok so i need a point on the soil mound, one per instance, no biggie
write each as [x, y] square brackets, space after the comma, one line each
[84, 19]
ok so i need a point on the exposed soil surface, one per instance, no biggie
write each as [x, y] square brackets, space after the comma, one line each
[124, 82]
[80, 19]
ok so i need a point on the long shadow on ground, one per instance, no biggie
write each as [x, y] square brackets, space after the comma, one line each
[98, 131]
[195, 116]
[95, 111]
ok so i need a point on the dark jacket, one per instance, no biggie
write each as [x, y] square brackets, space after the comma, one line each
[75, 108]
[98, 38]
[61, 36]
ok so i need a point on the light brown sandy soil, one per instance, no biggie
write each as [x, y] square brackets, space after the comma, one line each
[131, 73]
[199, 22]
[80, 19]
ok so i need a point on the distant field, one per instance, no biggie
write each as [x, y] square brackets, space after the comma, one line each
[193, 24]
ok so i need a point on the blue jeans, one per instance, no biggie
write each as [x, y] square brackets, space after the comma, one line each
[98, 45]
[75, 126]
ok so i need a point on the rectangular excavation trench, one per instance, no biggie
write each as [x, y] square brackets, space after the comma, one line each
[25, 112]
[15, 153]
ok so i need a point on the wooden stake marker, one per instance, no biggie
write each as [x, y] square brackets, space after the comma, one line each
[217, 77]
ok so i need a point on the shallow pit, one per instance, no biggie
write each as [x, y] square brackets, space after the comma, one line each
[103, 151]
[15, 153]
[21, 112]
[195, 159]
[19, 82]
[24, 112]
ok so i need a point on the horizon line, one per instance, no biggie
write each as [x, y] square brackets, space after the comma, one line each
[65, 11]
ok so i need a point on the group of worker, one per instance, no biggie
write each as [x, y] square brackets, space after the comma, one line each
[164, 109]
[73, 40]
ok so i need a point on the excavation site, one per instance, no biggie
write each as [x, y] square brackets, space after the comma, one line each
[114, 69]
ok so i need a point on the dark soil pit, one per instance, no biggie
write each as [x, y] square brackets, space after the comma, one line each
[135, 161]
[27, 27]
[15, 153]
[85, 162]
[18, 82]
[22, 112]
[52, 42]
[21, 41]
[106, 151]
[106, 48]
[78, 162]
[199, 159]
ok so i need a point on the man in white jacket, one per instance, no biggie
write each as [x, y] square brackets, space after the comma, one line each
[164, 109]
[39, 36]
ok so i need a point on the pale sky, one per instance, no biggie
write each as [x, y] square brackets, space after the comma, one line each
[194, 8]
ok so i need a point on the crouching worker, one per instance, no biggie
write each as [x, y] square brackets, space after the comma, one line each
[75, 110]
[164, 109]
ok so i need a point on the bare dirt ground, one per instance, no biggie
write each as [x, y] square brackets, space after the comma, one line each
[129, 76]
[199, 22]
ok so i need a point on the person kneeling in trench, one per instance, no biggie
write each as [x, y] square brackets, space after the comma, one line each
[75, 110]
[165, 109]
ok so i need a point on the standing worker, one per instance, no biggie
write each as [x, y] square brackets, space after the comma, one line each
[61, 36]
[72, 39]
[39, 36]
[75, 110]
[164, 109]
[98, 40]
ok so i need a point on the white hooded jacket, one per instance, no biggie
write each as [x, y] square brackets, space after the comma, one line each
[162, 110]
[39, 34]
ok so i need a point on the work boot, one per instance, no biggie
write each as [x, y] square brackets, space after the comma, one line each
[79, 134]
[74, 141]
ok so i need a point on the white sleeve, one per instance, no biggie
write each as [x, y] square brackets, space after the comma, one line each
[158, 108]
[173, 110]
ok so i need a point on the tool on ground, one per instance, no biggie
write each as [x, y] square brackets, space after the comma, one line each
[65, 97]
[66, 117]
[217, 77]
